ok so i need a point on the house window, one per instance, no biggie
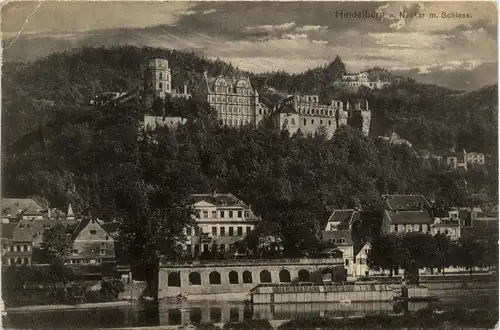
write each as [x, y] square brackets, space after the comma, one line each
[102, 252]
[305, 122]
[223, 231]
[26, 248]
[231, 231]
[347, 262]
[205, 214]
[92, 232]
[223, 247]
[240, 231]
[247, 214]
[249, 229]
[341, 241]
[214, 231]
[312, 121]
[12, 261]
[396, 228]
[196, 230]
[160, 86]
[239, 214]
[214, 214]
[107, 237]
[420, 227]
[188, 248]
[230, 214]
[75, 252]
[161, 76]
[222, 214]
[330, 122]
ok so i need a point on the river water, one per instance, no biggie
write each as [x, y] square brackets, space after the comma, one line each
[177, 313]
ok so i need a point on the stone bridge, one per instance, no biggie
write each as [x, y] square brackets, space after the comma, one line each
[239, 276]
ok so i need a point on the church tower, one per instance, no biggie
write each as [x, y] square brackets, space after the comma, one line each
[157, 80]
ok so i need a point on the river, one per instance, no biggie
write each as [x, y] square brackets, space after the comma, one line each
[176, 313]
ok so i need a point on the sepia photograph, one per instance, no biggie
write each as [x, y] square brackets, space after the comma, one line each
[248, 165]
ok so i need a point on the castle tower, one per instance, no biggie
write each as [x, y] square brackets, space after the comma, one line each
[157, 80]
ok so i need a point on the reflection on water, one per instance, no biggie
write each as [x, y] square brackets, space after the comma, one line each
[168, 313]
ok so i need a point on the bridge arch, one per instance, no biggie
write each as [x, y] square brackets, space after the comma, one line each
[284, 276]
[247, 277]
[194, 278]
[174, 279]
[214, 278]
[303, 275]
[233, 277]
[265, 276]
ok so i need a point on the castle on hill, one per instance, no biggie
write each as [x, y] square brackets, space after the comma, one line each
[237, 103]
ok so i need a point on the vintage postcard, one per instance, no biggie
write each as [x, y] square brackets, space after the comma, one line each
[249, 165]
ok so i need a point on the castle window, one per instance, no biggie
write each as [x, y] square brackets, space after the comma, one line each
[312, 121]
[160, 85]
[321, 122]
[330, 122]
[161, 76]
[305, 122]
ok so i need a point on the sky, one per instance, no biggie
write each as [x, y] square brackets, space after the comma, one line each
[459, 51]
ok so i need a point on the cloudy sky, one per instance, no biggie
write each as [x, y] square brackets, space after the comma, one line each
[456, 52]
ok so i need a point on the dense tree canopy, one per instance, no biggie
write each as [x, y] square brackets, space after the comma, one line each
[103, 163]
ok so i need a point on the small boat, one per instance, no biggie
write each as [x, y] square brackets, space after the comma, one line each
[421, 298]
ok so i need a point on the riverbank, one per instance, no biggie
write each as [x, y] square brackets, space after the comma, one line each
[23, 309]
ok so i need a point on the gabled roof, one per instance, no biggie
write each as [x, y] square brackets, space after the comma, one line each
[406, 202]
[346, 217]
[8, 230]
[335, 236]
[358, 249]
[409, 217]
[83, 223]
[12, 231]
[218, 199]
[231, 82]
[20, 206]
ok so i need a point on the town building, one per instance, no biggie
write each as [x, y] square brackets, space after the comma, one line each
[92, 244]
[343, 219]
[407, 213]
[17, 248]
[14, 209]
[341, 240]
[234, 99]
[307, 114]
[358, 80]
[221, 221]
[338, 233]
[446, 226]
[360, 262]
